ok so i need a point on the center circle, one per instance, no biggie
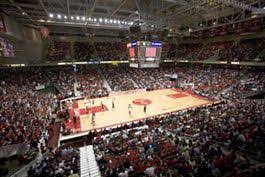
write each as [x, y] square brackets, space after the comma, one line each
[142, 102]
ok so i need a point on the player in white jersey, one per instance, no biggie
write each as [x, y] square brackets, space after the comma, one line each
[88, 106]
[130, 109]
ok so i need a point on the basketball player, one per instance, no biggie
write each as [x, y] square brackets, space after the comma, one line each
[130, 109]
[102, 105]
[75, 116]
[145, 108]
[88, 105]
[93, 118]
[113, 105]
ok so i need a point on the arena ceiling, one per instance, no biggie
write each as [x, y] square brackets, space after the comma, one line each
[121, 14]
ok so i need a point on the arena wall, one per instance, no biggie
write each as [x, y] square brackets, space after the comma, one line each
[27, 42]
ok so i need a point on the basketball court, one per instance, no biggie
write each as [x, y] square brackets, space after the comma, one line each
[157, 102]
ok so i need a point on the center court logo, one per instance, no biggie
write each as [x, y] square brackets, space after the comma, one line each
[142, 102]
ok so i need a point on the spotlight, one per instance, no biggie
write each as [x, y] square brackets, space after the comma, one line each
[51, 15]
[110, 21]
[119, 22]
[90, 19]
[106, 20]
[115, 21]
[65, 17]
[77, 17]
[95, 19]
[72, 17]
[83, 18]
[59, 16]
[100, 20]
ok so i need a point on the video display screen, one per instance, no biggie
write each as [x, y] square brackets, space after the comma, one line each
[150, 52]
[2, 24]
[6, 48]
[132, 52]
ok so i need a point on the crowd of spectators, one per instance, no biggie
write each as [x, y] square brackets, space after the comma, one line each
[188, 51]
[111, 50]
[25, 112]
[90, 82]
[58, 50]
[206, 141]
[200, 142]
[149, 78]
[252, 83]
[105, 51]
[213, 49]
[117, 78]
[83, 51]
[59, 162]
[210, 141]
[169, 51]
[244, 50]
[120, 49]
[209, 81]
[63, 78]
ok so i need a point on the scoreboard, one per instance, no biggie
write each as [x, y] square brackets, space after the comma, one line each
[144, 54]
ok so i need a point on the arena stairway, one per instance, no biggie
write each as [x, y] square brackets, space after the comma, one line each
[55, 136]
[261, 56]
[199, 53]
[131, 79]
[88, 163]
[105, 82]
[227, 89]
[214, 57]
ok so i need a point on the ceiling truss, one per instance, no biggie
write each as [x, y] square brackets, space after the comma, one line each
[152, 14]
